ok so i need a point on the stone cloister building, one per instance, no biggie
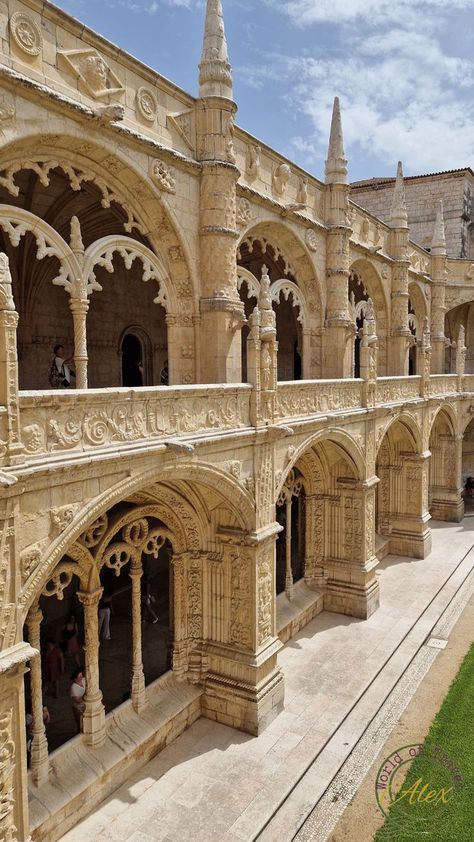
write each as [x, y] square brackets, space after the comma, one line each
[318, 411]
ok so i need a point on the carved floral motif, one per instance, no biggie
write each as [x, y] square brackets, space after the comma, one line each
[146, 104]
[26, 34]
[163, 176]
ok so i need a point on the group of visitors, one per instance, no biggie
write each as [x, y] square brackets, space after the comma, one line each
[60, 372]
[53, 659]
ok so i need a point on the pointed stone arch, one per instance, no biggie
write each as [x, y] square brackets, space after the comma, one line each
[372, 287]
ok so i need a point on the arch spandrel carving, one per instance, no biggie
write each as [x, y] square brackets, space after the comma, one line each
[190, 534]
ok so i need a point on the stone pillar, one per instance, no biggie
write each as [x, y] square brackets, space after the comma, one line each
[93, 720]
[439, 273]
[138, 677]
[314, 541]
[410, 534]
[349, 567]
[368, 357]
[10, 421]
[401, 338]
[288, 571]
[39, 746]
[244, 685]
[424, 360]
[340, 329]
[14, 823]
[461, 351]
[446, 501]
[79, 309]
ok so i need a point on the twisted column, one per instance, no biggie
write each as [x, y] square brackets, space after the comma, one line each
[138, 677]
[93, 720]
[39, 744]
[79, 308]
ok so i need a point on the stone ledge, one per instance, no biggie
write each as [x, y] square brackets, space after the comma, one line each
[81, 777]
[293, 616]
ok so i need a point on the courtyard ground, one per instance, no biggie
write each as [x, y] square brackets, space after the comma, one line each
[348, 682]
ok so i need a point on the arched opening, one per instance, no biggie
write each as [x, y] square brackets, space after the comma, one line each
[468, 468]
[413, 350]
[290, 514]
[402, 515]
[444, 494]
[55, 194]
[132, 360]
[365, 283]
[461, 315]
[254, 254]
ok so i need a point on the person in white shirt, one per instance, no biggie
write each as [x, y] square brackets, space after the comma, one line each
[62, 365]
[76, 693]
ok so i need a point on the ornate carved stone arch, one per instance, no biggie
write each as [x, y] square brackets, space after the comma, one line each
[119, 180]
[409, 425]
[374, 287]
[334, 435]
[101, 254]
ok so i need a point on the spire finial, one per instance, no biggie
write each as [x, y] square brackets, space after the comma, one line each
[215, 72]
[336, 163]
[398, 215]
[438, 243]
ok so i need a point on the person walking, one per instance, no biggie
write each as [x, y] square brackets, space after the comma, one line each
[53, 666]
[105, 608]
[60, 373]
[76, 694]
[70, 640]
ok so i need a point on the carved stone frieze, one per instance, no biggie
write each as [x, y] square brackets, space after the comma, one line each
[61, 517]
[244, 212]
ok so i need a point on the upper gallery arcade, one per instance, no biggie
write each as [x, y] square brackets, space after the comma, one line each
[274, 389]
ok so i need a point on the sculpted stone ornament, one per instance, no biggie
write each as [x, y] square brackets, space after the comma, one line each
[267, 315]
[252, 161]
[6, 295]
[95, 75]
[26, 34]
[311, 239]
[302, 194]
[281, 177]
[147, 105]
[7, 110]
[163, 176]
[244, 212]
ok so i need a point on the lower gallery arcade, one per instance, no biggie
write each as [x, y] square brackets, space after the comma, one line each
[173, 600]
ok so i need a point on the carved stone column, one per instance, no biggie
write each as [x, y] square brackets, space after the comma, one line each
[93, 720]
[410, 534]
[288, 571]
[244, 684]
[439, 275]
[349, 569]
[340, 329]
[14, 823]
[39, 745]
[138, 677]
[10, 421]
[400, 339]
[79, 308]
[446, 502]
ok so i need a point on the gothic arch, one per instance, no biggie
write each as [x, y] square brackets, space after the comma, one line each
[191, 528]
[368, 275]
[348, 447]
[118, 179]
[407, 425]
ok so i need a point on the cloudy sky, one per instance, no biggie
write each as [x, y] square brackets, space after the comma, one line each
[403, 69]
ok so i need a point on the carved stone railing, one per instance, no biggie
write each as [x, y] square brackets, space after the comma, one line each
[443, 384]
[308, 397]
[84, 420]
[469, 382]
[397, 389]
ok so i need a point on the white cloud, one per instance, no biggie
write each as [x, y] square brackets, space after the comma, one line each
[402, 95]
[373, 12]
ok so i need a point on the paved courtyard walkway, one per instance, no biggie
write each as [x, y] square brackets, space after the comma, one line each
[214, 783]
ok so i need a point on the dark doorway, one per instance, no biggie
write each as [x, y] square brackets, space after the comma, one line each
[132, 362]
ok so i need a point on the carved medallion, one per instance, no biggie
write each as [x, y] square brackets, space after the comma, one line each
[146, 104]
[26, 34]
[311, 239]
[163, 175]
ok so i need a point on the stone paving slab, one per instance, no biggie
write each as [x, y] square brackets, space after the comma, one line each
[214, 783]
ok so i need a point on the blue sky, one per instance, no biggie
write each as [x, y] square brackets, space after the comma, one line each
[403, 69]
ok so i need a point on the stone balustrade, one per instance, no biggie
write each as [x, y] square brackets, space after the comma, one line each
[86, 420]
[83, 420]
[307, 397]
[397, 389]
[443, 384]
